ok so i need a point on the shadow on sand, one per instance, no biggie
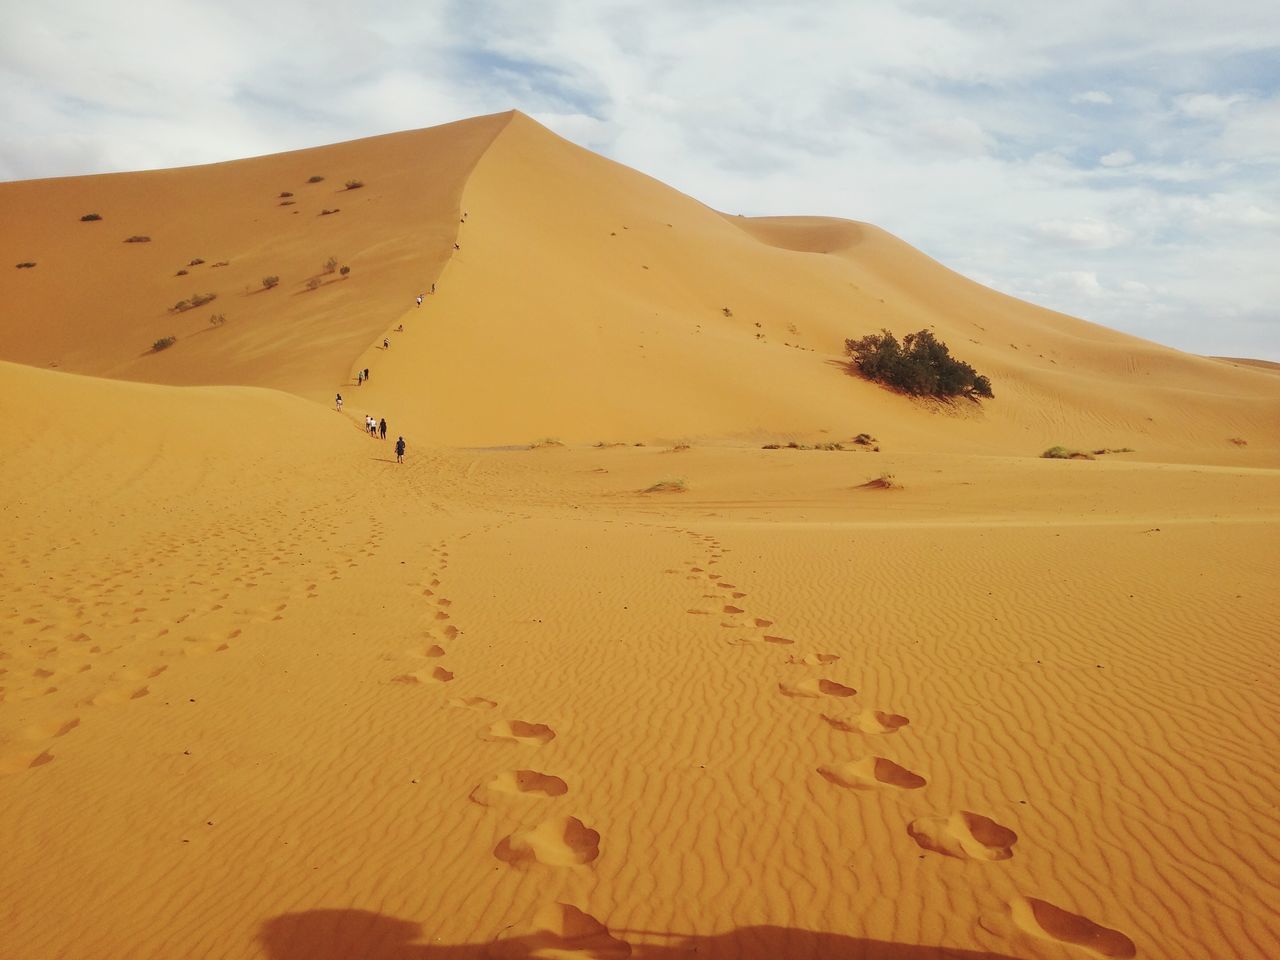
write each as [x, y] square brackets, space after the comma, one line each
[362, 935]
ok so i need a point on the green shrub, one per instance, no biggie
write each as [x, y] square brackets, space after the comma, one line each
[269, 282]
[90, 216]
[164, 343]
[196, 300]
[920, 366]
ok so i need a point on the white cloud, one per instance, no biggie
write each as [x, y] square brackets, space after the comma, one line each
[1207, 106]
[1093, 96]
[1117, 158]
[1093, 234]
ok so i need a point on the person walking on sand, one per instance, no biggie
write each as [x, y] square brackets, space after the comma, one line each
[382, 428]
[359, 377]
[386, 343]
[366, 373]
[419, 299]
[433, 289]
[338, 401]
[400, 450]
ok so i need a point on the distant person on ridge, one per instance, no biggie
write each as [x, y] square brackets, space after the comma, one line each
[433, 288]
[400, 450]
[419, 299]
[382, 427]
[366, 373]
[339, 403]
[386, 344]
[359, 377]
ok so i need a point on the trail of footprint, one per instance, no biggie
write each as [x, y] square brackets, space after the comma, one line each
[964, 835]
[814, 659]
[519, 731]
[871, 773]
[437, 675]
[868, 721]
[1048, 922]
[519, 783]
[474, 703]
[560, 930]
[558, 842]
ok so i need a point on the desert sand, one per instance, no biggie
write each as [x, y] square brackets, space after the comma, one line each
[593, 674]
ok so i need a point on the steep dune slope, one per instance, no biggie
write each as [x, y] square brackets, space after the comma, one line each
[95, 303]
[589, 301]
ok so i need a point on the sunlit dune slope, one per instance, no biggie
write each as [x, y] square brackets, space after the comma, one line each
[94, 303]
[589, 301]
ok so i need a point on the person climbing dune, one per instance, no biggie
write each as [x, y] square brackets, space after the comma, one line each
[400, 450]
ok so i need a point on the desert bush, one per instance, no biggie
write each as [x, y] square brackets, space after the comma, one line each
[285, 193]
[220, 263]
[195, 262]
[885, 481]
[313, 283]
[546, 442]
[772, 446]
[1065, 453]
[331, 265]
[26, 265]
[315, 179]
[269, 282]
[677, 485]
[921, 366]
[864, 439]
[1105, 450]
[217, 320]
[354, 184]
[325, 213]
[726, 311]
[182, 273]
[288, 203]
[137, 239]
[1238, 441]
[90, 216]
[196, 300]
[164, 343]
[344, 270]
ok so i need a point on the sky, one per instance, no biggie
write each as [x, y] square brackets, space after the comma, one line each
[1119, 161]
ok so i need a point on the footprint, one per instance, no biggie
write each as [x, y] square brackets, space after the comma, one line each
[560, 930]
[871, 772]
[518, 731]
[450, 632]
[527, 783]
[816, 687]
[868, 721]
[761, 622]
[814, 659]
[964, 835]
[474, 703]
[441, 675]
[559, 842]
[1042, 919]
[730, 609]
[699, 613]
[435, 650]
[781, 641]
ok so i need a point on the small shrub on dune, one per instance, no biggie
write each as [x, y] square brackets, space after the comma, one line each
[196, 300]
[313, 283]
[217, 320]
[326, 212]
[546, 442]
[137, 239]
[920, 366]
[344, 270]
[885, 481]
[195, 262]
[1065, 453]
[220, 263]
[164, 343]
[331, 265]
[667, 486]
[1238, 441]
[269, 282]
[864, 440]
[354, 184]
[90, 217]
[26, 265]
[182, 273]
[285, 193]
[288, 203]
[315, 179]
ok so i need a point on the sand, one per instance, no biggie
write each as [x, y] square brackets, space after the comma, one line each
[265, 693]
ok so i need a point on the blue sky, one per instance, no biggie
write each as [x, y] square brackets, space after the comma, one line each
[1117, 161]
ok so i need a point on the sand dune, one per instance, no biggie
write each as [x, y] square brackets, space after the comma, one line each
[265, 693]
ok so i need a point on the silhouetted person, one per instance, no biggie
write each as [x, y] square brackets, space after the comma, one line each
[386, 344]
[400, 450]
[433, 288]
[338, 401]
[419, 299]
[382, 427]
[366, 373]
[359, 377]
